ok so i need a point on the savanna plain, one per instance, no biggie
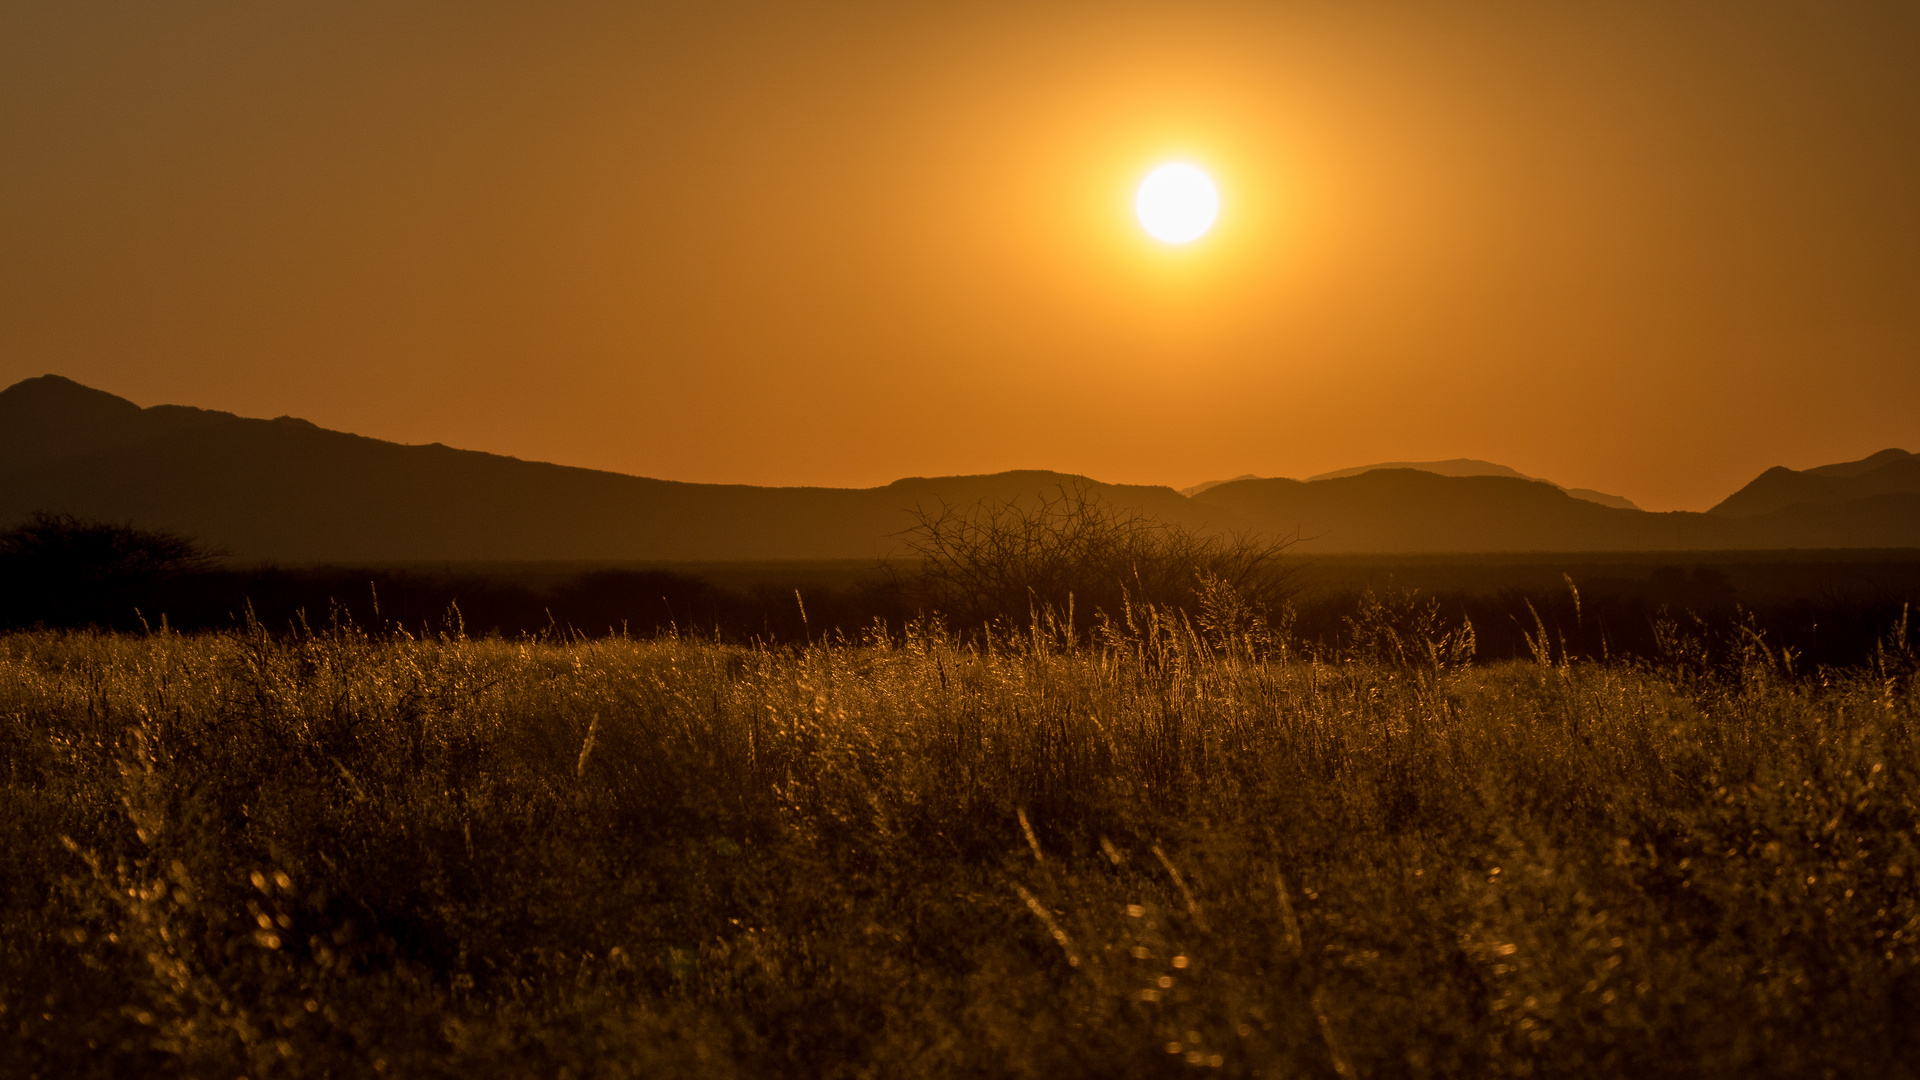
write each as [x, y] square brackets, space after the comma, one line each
[1175, 841]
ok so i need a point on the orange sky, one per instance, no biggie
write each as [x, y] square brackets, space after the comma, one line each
[1651, 250]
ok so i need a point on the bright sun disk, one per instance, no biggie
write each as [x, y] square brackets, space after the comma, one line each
[1177, 203]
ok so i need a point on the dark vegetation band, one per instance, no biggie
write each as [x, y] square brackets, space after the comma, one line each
[1073, 562]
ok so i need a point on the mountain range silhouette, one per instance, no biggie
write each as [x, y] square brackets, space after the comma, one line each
[285, 489]
[1449, 467]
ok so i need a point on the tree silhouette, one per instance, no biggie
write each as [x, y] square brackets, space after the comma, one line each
[62, 570]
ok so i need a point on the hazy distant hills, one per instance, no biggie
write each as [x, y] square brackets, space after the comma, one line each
[1450, 467]
[1414, 510]
[285, 489]
[1402, 509]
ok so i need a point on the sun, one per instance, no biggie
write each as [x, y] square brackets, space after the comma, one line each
[1177, 203]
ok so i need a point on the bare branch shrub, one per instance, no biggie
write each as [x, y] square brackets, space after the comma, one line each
[1073, 557]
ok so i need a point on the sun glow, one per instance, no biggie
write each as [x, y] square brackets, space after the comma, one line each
[1177, 203]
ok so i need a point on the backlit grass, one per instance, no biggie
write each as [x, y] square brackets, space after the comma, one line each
[343, 854]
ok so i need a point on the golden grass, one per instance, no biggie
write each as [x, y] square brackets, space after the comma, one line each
[339, 854]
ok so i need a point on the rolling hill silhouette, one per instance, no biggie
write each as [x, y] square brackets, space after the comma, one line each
[1449, 467]
[1887, 473]
[285, 489]
[1389, 509]
[1475, 467]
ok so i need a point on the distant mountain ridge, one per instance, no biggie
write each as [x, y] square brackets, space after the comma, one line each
[1449, 467]
[50, 418]
[285, 489]
[1889, 472]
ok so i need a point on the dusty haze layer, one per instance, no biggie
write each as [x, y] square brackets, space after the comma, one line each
[1652, 250]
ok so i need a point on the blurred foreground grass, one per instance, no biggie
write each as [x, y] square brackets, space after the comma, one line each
[338, 854]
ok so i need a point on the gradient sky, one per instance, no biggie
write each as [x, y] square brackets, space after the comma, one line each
[1649, 248]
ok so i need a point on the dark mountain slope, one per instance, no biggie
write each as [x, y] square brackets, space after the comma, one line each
[50, 418]
[1415, 510]
[1877, 521]
[1889, 472]
[1864, 465]
[285, 489]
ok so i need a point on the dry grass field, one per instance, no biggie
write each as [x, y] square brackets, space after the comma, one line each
[1162, 849]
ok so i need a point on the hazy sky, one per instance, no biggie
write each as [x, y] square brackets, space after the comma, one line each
[1645, 248]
